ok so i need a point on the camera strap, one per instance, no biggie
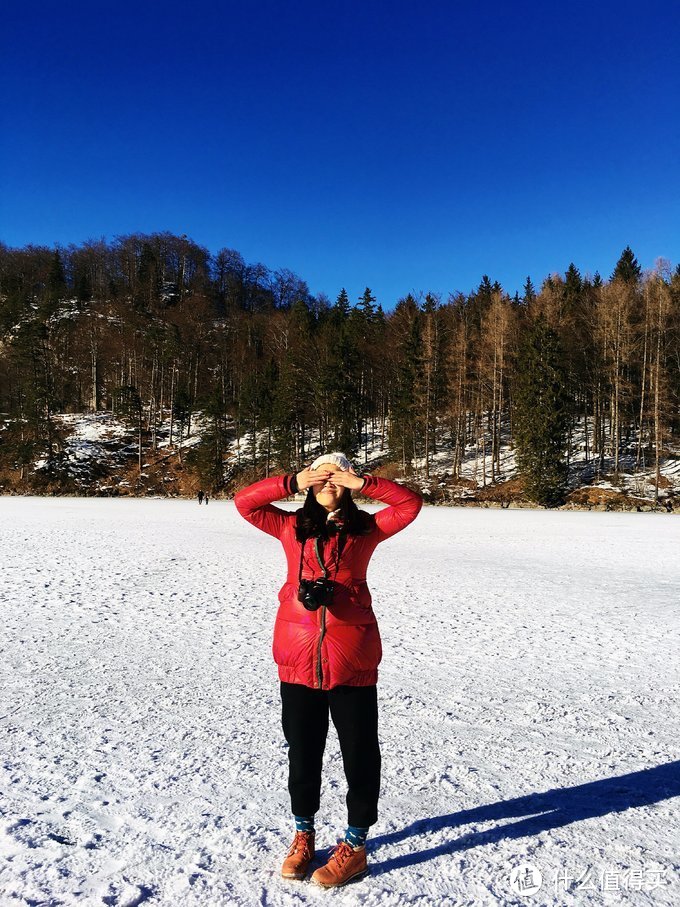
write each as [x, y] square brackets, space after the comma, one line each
[342, 538]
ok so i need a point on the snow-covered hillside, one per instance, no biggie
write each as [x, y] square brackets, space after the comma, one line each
[100, 456]
[529, 709]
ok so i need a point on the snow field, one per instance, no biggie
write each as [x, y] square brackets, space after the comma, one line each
[528, 695]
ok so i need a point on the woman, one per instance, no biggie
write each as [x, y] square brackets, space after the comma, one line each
[327, 643]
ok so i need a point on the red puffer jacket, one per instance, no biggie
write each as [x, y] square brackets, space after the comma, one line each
[338, 643]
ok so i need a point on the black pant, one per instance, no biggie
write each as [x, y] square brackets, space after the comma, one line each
[354, 711]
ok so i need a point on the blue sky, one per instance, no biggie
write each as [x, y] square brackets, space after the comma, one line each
[404, 146]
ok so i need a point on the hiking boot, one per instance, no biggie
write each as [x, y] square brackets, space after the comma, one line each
[300, 855]
[344, 864]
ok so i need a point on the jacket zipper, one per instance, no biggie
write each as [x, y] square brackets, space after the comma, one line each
[319, 669]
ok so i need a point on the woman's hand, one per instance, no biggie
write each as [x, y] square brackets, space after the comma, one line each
[348, 478]
[308, 477]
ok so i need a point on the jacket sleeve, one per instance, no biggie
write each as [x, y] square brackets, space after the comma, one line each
[404, 504]
[254, 503]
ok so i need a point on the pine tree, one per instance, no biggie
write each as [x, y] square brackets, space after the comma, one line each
[346, 400]
[206, 458]
[431, 386]
[342, 303]
[293, 409]
[83, 287]
[573, 285]
[627, 268]
[148, 286]
[485, 288]
[541, 414]
[35, 393]
[529, 292]
[366, 306]
[339, 312]
[55, 289]
[285, 413]
[56, 281]
[404, 433]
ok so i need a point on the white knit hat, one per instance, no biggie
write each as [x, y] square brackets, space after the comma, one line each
[336, 457]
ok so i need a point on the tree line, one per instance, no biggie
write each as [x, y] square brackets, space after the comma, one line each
[156, 329]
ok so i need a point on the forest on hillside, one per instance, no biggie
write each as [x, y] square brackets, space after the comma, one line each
[155, 329]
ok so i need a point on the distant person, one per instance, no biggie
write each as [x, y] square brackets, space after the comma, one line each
[206, 500]
[200, 497]
[327, 644]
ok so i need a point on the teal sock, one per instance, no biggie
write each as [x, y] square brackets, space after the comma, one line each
[304, 823]
[356, 836]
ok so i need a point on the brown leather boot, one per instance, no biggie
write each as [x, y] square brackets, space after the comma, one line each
[300, 855]
[344, 864]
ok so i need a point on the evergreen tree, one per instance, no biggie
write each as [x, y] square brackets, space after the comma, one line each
[406, 354]
[342, 303]
[56, 282]
[35, 394]
[431, 391]
[529, 292]
[148, 283]
[83, 288]
[285, 412]
[339, 312]
[627, 268]
[293, 405]
[541, 414]
[207, 457]
[54, 291]
[346, 401]
[338, 369]
[485, 285]
[485, 289]
[573, 286]
[301, 322]
[366, 306]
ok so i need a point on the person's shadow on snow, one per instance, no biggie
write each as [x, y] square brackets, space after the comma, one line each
[551, 809]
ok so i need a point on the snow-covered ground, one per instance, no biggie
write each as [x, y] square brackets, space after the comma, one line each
[529, 696]
[97, 445]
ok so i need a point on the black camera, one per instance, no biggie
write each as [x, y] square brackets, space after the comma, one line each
[315, 592]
